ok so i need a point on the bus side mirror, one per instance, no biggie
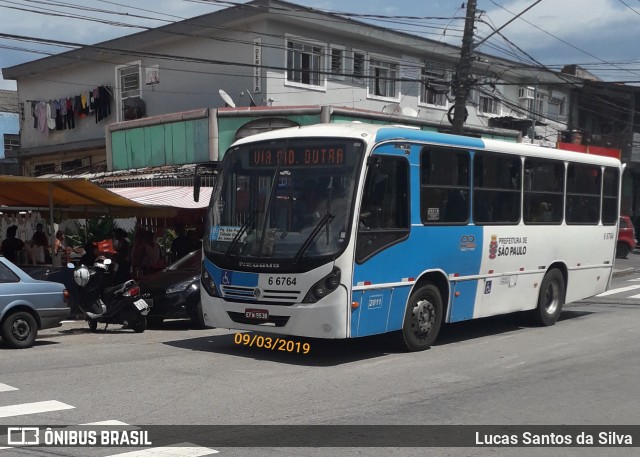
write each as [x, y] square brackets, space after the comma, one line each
[197, 179]
[196, 187]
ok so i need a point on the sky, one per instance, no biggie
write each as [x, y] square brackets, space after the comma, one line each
[599, 35]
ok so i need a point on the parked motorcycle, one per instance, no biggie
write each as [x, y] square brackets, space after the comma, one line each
[102, 303]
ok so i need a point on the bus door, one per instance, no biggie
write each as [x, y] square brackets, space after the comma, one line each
[381, 257]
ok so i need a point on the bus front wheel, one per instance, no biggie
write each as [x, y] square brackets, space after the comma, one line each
[551, 299]
[422, 319]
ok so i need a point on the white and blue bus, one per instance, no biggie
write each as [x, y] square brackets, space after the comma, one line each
[349, 230]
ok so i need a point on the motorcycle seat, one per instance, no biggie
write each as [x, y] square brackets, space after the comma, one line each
[110, 292]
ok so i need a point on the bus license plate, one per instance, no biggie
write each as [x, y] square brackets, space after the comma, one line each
[258, 314]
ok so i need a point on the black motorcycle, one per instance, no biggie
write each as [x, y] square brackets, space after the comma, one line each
[102, 303]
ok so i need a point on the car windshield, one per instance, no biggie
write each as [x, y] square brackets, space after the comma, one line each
[190, 261]
[286, 200]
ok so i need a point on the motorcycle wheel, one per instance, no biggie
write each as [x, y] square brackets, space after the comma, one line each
[93, 325]
[140, 325]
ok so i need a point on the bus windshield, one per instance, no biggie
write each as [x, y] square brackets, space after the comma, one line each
[288, 200]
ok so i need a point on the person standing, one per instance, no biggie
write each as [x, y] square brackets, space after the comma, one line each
[41, 243]
[11, 245]
[181, 245]
[122, 258]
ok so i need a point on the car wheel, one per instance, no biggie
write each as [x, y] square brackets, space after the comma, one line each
[550, 300]
[622, 250]
[422, 319]
[140, 325]
[197, 319]
[19, 330]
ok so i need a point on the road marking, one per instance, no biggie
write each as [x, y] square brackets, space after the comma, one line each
[634, 296]
[33, 408]
[618, 290]
[177, 450]
[6, 388]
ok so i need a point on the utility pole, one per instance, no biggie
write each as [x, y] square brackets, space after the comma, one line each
[464, 68]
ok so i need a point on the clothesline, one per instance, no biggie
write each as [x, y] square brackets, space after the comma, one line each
[107, 87]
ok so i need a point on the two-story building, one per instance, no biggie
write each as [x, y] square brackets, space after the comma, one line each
[9, 131]
[165, 96]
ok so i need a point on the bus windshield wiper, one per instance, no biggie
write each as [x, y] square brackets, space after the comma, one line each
[243, 228]
[321, 223]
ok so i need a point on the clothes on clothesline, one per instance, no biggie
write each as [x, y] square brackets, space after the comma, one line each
[60, 114]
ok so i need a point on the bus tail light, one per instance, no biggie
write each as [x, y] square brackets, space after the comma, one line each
[323, 287]
[208, 283]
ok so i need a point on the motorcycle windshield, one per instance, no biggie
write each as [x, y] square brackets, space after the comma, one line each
[290, 201]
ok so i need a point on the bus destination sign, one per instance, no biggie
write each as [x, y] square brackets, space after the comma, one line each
[297, 156]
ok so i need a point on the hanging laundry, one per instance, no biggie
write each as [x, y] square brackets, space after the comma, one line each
[103, 109]
[84, 107]
[35, 117]
[91, 100]
[41, 116]
[69, 118]
[51, 117]
[57, 104]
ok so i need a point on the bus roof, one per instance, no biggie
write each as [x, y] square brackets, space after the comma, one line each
[372, 133]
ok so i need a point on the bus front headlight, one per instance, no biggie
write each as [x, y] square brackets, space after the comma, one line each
[208, 283]
[323, 287]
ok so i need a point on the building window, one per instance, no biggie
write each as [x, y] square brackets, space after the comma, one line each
[435, 84]
[44, 169]
[358, 66]
[337, 62]
[531, 100]
[557, 107]
[71, 167]
[383, 78]
[129, 87]
[11, 144]
[130, 81]
[303, 63]
[488, 105]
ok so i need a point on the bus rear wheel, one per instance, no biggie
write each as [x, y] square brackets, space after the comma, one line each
[551, 299]
[422, 319]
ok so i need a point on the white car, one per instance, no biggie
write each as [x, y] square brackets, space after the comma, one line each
[27, 305]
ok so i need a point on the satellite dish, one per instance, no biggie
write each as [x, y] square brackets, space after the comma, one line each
[393, 108]
[227, 99]
[410, 112]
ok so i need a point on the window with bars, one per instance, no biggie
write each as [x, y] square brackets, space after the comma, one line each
[337, 62]
[304, 63]
[129, 81]
[11, 143]
[435, 84]
[129, 89]
[383, 78]
[358, 66]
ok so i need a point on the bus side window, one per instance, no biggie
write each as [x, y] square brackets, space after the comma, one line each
[384, 215]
